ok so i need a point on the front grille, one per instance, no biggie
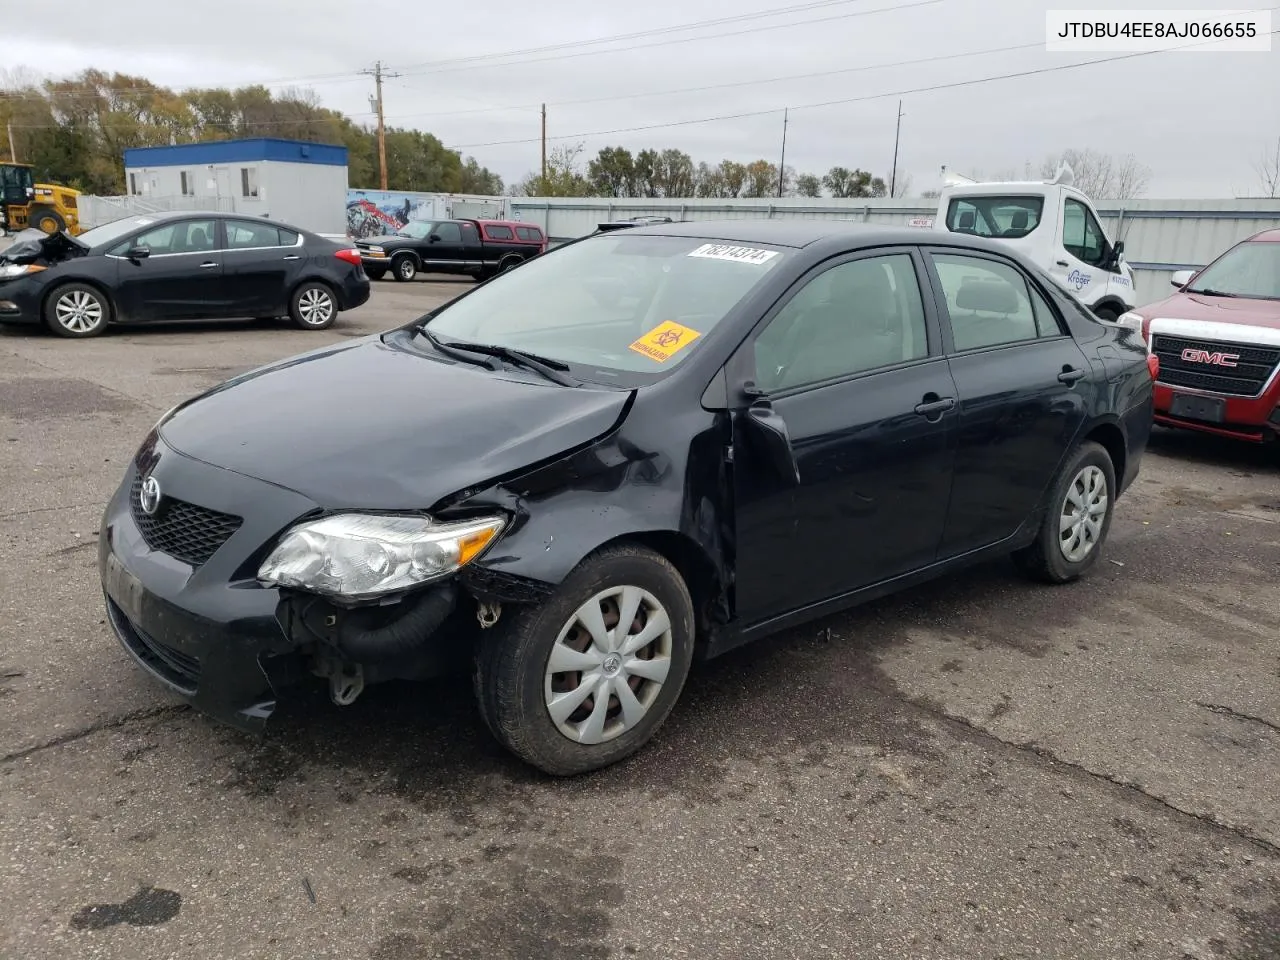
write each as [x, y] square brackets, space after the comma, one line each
[170, 664]
[1246, 379]
[183, 530]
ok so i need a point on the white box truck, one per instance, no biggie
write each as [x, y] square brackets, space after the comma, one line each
[1051, 223]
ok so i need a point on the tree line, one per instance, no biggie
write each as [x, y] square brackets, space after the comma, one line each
[75, 131]
[617, 172]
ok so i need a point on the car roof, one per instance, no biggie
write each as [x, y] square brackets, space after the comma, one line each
[803, 233]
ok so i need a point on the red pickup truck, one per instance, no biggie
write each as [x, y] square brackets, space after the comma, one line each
[1218, 343]
[479, 248]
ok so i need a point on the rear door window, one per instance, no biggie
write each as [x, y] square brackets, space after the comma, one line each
[1003, 217]
[989, 303]
[242, 234]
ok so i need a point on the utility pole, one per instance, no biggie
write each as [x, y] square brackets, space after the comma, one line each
[544, 146]
[893, 176]
[782, 163]
[379, 75]
[13, 154]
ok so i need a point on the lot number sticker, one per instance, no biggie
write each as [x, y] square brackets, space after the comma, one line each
[665, 340]
[724, 251]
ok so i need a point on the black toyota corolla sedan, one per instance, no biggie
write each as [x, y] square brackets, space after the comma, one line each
[177, 266]
[643, 447]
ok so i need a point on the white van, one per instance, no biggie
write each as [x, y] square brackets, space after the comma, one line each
[1052, 224]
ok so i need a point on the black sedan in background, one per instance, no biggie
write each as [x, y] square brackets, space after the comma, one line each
[645, 446]
[177, 266]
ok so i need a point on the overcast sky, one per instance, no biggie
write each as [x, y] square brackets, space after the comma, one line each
[1199, 120]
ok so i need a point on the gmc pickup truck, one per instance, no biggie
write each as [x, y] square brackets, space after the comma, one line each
[479, 248]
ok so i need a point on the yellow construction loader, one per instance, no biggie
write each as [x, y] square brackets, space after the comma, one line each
[24, 203]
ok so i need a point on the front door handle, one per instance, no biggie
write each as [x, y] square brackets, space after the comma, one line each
[1063, 263]
[1070, 375]
[207, 265]
[293, 256]
[933, 408]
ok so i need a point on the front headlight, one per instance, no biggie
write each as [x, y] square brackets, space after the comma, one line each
[362, 556]
[377, 250]
[11, 270]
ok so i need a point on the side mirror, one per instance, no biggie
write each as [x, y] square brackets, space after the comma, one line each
[769, 433]
[139, 253]
[1181, 278]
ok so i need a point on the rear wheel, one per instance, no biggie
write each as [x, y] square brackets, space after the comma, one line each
[1110, 314]
[1075, 526]
[586, 678]
[404, 267]
[77, 310]
[313, 306]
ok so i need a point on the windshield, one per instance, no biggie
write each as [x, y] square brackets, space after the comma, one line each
[113, 230]
[1251, 270]
[1004, 217]
[614, 307]
[416, 229]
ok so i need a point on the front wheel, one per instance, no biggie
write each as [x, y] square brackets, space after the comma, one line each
[1079, 516]
[404, 268]
[77, 310]
[586, 678]
[313, 306]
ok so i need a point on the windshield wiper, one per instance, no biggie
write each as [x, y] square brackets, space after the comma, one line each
[460, 353]
[1210, 292]
[553, 370]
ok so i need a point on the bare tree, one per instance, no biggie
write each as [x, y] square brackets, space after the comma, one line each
[1101, 175]
[1268, 170]
[901, 185]
[931, 194]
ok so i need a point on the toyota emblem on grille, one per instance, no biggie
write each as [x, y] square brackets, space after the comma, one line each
[149, 496]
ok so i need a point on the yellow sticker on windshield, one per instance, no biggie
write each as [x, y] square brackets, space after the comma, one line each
[664, 341]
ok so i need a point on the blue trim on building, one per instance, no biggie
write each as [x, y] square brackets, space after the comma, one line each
[236, 151]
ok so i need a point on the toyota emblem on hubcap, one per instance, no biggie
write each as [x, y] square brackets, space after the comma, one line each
[149, 496]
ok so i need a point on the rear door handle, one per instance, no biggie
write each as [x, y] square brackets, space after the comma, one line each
[206, 266]
[293, 256]
[933, 407]
[1070, 375]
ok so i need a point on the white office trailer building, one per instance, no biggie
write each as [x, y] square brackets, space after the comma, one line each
[294, 181]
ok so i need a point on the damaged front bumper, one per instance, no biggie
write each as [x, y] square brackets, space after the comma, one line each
[183, 599]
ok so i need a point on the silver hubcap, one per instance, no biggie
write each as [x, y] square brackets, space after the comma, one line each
[78, 311]
[1083, 510]
[608, 665]
[407, 269]
[315, 306]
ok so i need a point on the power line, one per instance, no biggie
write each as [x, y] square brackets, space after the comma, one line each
[1038, 44]
[839, 102]
[655, 31]
[665, 43]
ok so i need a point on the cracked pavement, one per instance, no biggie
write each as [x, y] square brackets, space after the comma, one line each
[978, 768]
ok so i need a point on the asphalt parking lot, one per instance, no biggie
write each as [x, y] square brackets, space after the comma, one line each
[980, 768]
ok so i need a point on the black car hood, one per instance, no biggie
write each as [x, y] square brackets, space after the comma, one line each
[380, 424]
[31, 245]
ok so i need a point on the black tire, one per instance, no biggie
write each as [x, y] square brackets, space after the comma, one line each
[1110, 314]
[404, 267]
[307, 306]
[510, 675]
[1046, 559]
[376, 273]
[510, 263]
[77, 310]
[46, 220]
